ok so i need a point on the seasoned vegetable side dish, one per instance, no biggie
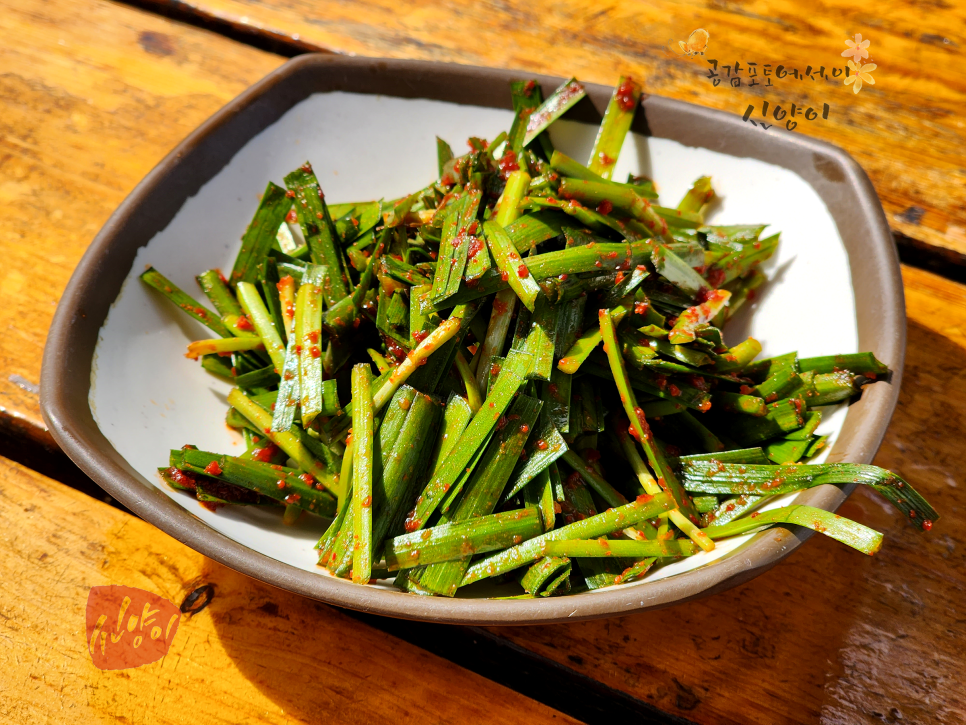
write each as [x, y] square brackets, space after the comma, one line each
[517, 371]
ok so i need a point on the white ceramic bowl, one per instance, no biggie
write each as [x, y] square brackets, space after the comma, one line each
[146, 398]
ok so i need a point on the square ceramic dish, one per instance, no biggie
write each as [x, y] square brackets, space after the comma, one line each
[117, 393]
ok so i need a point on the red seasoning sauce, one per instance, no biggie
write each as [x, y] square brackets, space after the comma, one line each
[265, 454]
[624, 95]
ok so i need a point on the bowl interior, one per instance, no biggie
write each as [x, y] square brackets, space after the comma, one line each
[147, 398]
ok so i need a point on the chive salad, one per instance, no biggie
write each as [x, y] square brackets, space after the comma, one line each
[517, 371]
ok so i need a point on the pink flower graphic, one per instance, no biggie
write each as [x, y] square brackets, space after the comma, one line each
[857, 48]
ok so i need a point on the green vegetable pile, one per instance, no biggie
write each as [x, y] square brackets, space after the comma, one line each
[517, 370]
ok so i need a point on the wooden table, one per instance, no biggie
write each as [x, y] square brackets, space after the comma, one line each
[95, 93]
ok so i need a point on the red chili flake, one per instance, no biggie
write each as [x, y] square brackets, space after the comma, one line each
[420, 335]
[474, 225]
[504, 276]
[674, 390]
[367, 502]
[912, 514]
[574, 480]
[715, 276]
[494, 370]
[698, 382]
[213, 469]
[524, 428]
[927, 525]
[605, 207]
[280, 484]
[542, 445]
[746, 390]
[292, 498]
[642, 419]
[563, 277]
[412, 523]
[476, 244]
[612, 255]
[499, 307]
[598, 263]
[187, 480]
[605, 159]
[508, 163]
[265, 454]
[314, 351]
[290, 194]
[633, 432]
[313, 336]
[644, 498]
[522, 271]
[619, 278]
[528, 87]
[501, 424]
[624, 95]
[307, 479]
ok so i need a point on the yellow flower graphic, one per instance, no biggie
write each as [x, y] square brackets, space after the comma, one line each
[857, 48]
[860, 73]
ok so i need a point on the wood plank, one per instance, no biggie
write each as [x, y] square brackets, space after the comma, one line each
[906, 131]
[828, 635]
[92, 95]
[254, 654]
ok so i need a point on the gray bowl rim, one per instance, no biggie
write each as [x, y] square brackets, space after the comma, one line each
[96, 282]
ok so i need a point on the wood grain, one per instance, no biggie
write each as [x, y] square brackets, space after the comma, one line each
[92, 95]
[907, 130]
[828, 635]
[254, 654]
